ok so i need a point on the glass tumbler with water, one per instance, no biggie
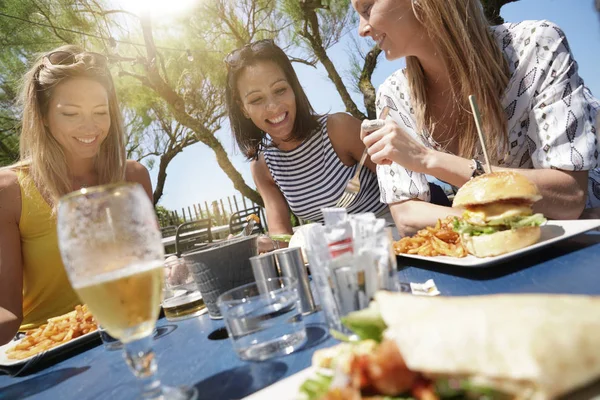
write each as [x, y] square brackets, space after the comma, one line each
[111, 248]
[264, 318]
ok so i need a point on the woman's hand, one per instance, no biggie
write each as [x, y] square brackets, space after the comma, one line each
[387, 142]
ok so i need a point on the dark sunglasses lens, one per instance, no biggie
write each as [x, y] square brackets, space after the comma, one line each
[233, 57]
[61, 58]
[99, 59]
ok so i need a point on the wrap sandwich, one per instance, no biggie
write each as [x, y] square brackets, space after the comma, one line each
[480, 347]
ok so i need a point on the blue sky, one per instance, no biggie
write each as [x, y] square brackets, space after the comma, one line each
[194, 176]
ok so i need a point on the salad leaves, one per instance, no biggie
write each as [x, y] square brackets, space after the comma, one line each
[464, 228]
[367, 323]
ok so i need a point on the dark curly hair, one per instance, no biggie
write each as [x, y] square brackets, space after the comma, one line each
[248, 136]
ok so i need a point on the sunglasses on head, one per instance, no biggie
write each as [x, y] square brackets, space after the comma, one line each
[67, 58]
[235, 56]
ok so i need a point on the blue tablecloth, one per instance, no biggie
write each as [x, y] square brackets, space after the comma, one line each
[187, 356]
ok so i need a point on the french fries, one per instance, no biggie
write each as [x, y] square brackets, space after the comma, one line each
[57, 331]
[439, 240]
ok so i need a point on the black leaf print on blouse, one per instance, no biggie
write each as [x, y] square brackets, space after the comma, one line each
[405, 120]
[566, 96]
[527, 81]
[576, 159]
[510, 109]
[525, 124]
[561, 34]
[595, 188]
[525, 159]
[390, 103]
[531, 144]
[571, 126]
[413, 189]
[408, 172]
[506, 41]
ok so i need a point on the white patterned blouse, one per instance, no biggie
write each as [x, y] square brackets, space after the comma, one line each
[551, 113]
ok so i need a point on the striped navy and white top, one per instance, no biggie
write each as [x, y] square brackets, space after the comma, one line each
[312, 177]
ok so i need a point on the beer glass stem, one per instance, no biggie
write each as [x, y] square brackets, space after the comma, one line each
[141, 359]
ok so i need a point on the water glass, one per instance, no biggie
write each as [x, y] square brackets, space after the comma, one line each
[111, 248]
[110, 343]
[264, 318]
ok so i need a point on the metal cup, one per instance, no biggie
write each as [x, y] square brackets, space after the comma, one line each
[291, 265]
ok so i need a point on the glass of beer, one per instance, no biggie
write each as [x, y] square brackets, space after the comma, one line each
[111, 247]
[182, 299]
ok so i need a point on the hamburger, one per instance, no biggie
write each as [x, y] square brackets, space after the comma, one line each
[498, 217]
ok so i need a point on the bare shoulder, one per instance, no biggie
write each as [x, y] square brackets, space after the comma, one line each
[344, 133]
[10, 194]
[259, 170]
[342, 124]
[134, 169]
[136, 172]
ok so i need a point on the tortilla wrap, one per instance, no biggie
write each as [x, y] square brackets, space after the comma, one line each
[549, 343]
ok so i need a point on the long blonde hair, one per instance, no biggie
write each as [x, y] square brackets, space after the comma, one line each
[476, 66]
[40, 153]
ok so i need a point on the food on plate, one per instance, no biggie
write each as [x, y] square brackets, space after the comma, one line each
[494, 347]
[498, 218]
[57, 331]
[440, 240]
[253, 217]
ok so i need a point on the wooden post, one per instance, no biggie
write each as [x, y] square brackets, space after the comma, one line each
[190, 211]
[224, 220]
[207, 210]
[263, 219]
[236, 206]
[216, 212]
[229, 201]
[177, 218]
[244, 201]
[196, 211]
[201, 212]
[183, 213]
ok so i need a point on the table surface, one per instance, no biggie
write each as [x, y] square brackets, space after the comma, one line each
[170, 240]
[186, 355]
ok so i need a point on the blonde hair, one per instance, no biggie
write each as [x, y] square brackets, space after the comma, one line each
[476, 65]
[40, 153]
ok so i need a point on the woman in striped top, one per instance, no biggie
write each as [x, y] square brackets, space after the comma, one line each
[299, 160]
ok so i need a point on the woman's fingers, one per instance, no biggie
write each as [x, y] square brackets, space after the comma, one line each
[370, 125]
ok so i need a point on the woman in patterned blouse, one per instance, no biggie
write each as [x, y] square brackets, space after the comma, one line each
[538, 116]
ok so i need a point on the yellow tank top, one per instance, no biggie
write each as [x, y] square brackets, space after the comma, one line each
[47, 292]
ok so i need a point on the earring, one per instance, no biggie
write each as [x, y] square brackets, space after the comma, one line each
[415, 5]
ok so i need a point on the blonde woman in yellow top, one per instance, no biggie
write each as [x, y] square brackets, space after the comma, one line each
[72, 137]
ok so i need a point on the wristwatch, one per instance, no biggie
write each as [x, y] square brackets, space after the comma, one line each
[477, 168]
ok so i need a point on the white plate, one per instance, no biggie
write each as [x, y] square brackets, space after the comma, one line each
[287, 389]
[552, 232]
[8, 362]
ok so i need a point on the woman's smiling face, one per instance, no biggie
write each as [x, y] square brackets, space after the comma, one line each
[392, 24]
[78, 116]
[267, 98]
